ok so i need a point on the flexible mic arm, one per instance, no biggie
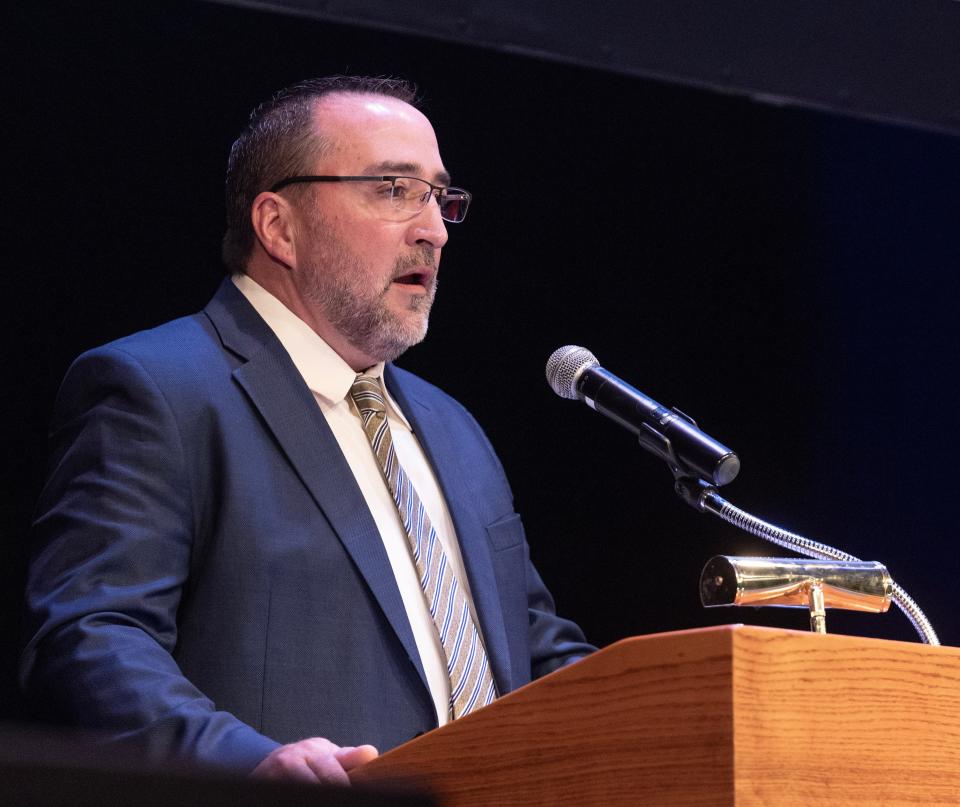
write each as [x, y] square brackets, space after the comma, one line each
[705, 498]
[566, 374]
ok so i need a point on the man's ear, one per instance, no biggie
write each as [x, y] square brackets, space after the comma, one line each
[272, 219]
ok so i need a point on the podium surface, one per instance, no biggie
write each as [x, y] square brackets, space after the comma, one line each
[732, 715]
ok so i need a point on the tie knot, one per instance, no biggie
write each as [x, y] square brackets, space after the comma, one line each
[368, 396]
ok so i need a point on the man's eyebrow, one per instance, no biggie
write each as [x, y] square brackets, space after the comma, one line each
[406, 169]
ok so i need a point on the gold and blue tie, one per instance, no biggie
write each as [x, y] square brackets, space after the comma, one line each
[471, 683]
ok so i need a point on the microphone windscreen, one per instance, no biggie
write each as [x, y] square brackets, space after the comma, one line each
[564, 368]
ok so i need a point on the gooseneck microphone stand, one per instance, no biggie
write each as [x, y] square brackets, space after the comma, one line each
[573, 372]
[704, 497]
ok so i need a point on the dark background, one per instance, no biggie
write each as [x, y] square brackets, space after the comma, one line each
[786, 276]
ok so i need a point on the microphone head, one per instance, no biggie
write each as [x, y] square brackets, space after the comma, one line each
[564, 368]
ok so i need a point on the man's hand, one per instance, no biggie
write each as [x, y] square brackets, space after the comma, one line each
[314, 760]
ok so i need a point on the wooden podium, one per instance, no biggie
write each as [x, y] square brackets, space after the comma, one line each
[733, 715]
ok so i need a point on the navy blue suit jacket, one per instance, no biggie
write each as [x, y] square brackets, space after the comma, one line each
[207, 578]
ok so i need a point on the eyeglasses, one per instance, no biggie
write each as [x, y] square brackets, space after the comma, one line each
[401, 197]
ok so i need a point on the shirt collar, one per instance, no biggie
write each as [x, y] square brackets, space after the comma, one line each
[322, 368]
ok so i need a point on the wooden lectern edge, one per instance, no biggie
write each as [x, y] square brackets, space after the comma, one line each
[721, 633]
[715, 634]
[371, 771]
[770, 675]
[613, 647]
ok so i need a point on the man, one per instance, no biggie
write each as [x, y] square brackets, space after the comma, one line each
[256, 529]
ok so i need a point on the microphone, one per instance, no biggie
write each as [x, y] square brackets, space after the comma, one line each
[574, 372]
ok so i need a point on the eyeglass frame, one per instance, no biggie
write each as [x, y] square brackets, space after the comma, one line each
[435, 190]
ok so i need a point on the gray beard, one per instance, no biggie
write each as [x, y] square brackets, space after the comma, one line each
[360, 315]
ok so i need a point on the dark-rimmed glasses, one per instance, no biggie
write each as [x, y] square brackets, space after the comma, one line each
[401, 197]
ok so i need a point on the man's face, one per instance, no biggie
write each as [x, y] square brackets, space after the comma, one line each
[369, 279]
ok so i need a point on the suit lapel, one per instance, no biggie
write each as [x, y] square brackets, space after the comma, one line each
[277, 390]
[442, 451]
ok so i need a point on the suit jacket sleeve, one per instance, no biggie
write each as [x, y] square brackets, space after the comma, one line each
[112, 551]
[554, 641]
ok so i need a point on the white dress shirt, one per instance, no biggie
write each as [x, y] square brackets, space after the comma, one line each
[329, 378]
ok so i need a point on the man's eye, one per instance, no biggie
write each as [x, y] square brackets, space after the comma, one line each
[396, 191]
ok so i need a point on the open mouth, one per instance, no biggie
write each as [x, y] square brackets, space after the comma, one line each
[412, 279]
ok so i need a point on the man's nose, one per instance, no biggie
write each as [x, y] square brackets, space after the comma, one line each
[427, 227]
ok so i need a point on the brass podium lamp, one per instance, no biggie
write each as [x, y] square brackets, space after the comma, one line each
[797, 583]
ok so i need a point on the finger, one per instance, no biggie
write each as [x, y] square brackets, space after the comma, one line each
[351, 758]
[288, 768]
[327, 768]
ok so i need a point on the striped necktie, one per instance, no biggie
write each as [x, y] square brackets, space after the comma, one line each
[471, 683]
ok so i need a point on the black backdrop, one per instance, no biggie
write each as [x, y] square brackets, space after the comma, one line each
[787, 277]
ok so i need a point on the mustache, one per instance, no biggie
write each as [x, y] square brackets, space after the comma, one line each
[408, 263]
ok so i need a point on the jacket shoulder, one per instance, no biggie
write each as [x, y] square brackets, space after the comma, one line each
[176, 341]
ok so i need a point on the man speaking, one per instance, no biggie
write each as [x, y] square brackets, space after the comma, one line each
[261, 545]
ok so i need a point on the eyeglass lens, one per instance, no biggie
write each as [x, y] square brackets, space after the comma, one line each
[453, 206]
[409, 193]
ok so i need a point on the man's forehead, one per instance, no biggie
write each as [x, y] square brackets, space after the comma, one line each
[344, 109]
[379, 131]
